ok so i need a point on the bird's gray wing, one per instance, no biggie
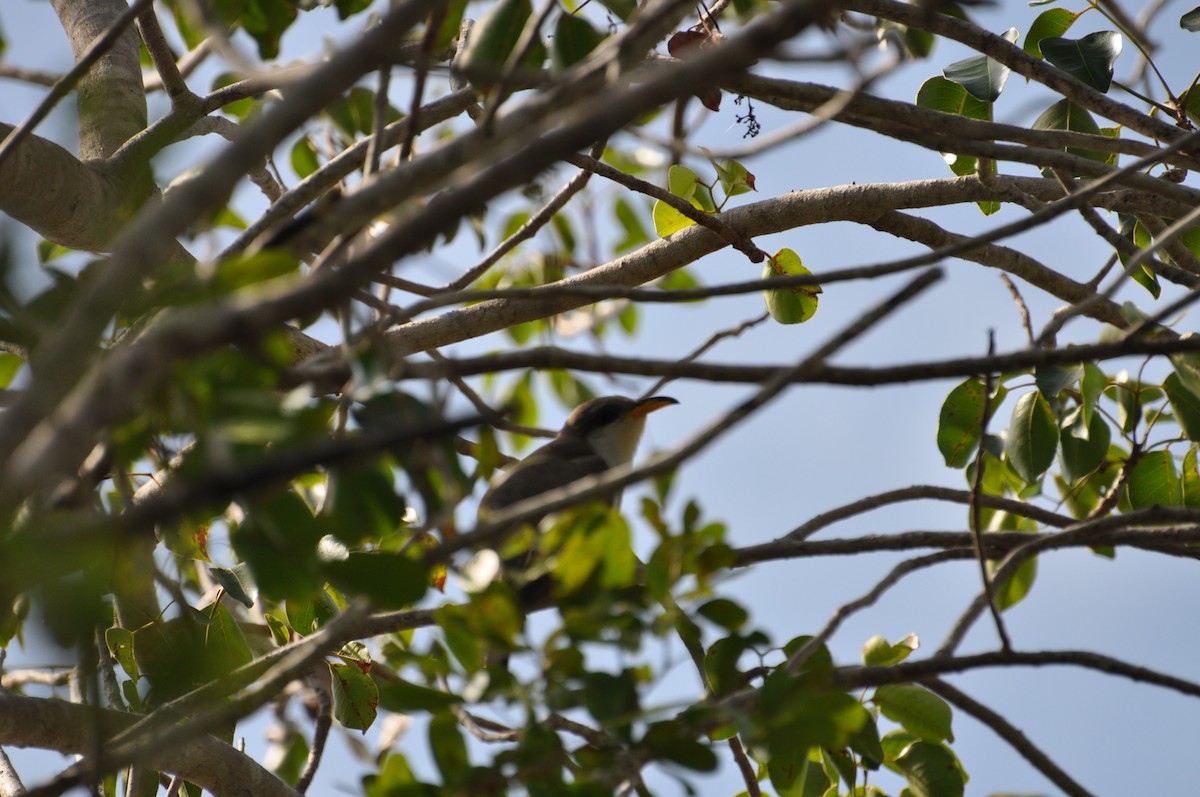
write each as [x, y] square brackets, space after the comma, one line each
[540, 472]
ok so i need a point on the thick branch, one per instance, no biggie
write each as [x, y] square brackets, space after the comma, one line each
[68, 728]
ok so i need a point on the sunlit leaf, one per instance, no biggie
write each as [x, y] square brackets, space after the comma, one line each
[793, 305]
[1052, 23]
[920, 711]
[960, 422]
[355, 696]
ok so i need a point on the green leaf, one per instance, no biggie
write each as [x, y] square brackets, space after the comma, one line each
[959, 423]
[266, 21]
[1049, 24]
[1032, 437]
[9, 365]
[878, 652]
[1186, 406]
[980, 75]
[1191, 20]
[361, 502]
[355, 696]
[1066, 115]
[635, 233]
[492, 40]
[390, 580]
[668, 220]
[682, 181]
[120, 645]
[1051, 379]
[1187, 367]
[348, 8]
[1154, 482]
[234, 582]
[278, 540]
[622, 8]
[789, 305]
[724, 613]
[1014, 590]
[931, 770]
[405, 697]
[940, 94]
[918, 710]
[1089, 59]
[667, 741]
[304, 157]
[1091, 387]
[574, 40]
[1190, 479]
[1082, 455]
[451, 24]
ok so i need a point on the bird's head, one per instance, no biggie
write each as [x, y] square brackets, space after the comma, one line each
[612, 425]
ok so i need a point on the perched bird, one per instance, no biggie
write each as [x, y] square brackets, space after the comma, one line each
[599, 434]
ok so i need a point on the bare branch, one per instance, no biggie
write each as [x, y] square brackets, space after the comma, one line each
[1011, 734]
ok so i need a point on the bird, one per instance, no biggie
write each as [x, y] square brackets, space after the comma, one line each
[599, 434]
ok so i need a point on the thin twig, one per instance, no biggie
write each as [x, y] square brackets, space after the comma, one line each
[321, 726]
[1011, 734]
[1022, 308]
[797, 659]
[538, 220]
[712, 222]
[63, 87]
[976, 507]
[160, 54]
[705, 346]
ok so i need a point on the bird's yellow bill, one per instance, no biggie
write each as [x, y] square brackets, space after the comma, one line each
[649, 405]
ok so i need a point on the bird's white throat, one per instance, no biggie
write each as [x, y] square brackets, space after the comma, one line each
[617, 442]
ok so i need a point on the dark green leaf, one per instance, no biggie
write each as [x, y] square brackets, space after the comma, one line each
[355, 696]
[1191, 20]
[493, 39]
[348, 8]
[1066, 115]
[622, 8]
[405, 697]
[931, 770]
[266, 20]
[724, 613]
[959, 423]
[234, 581]
[390, 580]
[574, 40]
[1082, 455]
[1190, 479]
[1032, 437]
[667, 740]
[1154, 482]
[1089, 59]
[920, 711]
[1049, 24]
[1186, 406]
[1051, 379]
[980, 75]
